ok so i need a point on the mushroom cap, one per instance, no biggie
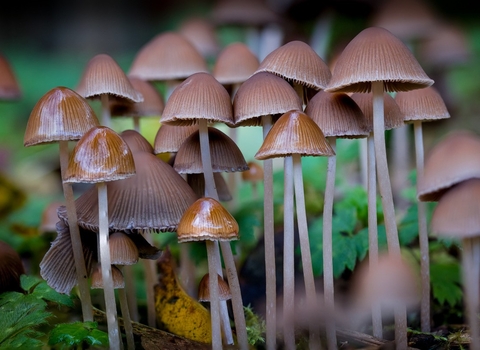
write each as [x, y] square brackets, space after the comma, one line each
[244, 13]
[263, 94]
[204, 289]
[393, 116]
[197, 183]
[59, 115]
[254, 172]
[294, 133]
[136, 141]
[97, 278]
[201, 33]
[235, 64]
[296, 61]
[123, 250]
[154, 199]
[169, 138]
[9, 87]
[100, 155]
[375, 54]
[200, 96]
[457, 214]
[167, 56]
[11, 268]
[207, 219]
[224, 153]
[337, 115]
[453, 159]
[422, 104]
[103, 75]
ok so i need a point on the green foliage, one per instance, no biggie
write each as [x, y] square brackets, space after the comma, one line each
[69, 335]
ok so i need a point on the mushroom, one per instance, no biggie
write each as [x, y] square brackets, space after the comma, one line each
[11, 268]
[204, 288]
[9, 87]
[136, 141]
[201, 33]
[254, 174]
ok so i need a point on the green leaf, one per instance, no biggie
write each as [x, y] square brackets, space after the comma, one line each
[408, 226]
[77, 333]
[44, 291]
[446, 282]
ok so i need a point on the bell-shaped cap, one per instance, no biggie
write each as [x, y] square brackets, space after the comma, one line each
[375, 55]
[197, 183]
[224, 292]
[60, 115]
[167, 56]
[254, 172]
[136, 141]
[9, 87]
[393, 116]
[123, 250]
[97, 278]
[235, 64]
[101, 155]
[103, 75]
[455, 158]
[200, 96]
[263, 94]
[297, 62]
[337, 115]
[11, 268]
[422, 104]
[457, 214]
[294, 133]
[224, 153]
[201, 33]
[207, 219]
[169, 138]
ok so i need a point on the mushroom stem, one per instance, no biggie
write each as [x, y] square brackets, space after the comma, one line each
[131, 292]
[136, 123]
[470, 266]
[149, 268]
[373, 231]
[422, 233]
[214, 296]
[105, 261]
[106, 116]
[311, 294]
[328, 280]
[80, 267]
[127, 321]
[187, 270]
[269, 239]
[288, 257]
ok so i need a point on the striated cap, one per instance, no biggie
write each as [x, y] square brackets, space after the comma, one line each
[235, 64]
[123, 250]
[207, 219]
[224, 153]
[204, 289]
[169, 138]
[393, 116]
[197, 183]
[11, 268]
[9, 87]
[60, 115]
[297, 62]
[338, 115]
[422, 104]
[101, 155]
[375, 54]
[453, 159]
[136, 141]
[263, 94]
[294, 133]
[97, 278]
[167, 56]
[103, 75]
[457, 214]
[200, 96]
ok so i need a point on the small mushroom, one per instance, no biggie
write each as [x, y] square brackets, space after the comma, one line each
[11, 268]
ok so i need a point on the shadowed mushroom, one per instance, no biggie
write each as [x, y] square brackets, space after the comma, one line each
[254, 175]
[9, 87]
[197, 183]
[136, 141]
[201, 33]
[204, 289]
[11, 268]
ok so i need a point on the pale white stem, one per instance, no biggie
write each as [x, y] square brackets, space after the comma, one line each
[127, 322]
[470, 267]
[131, 292]
[269, 242]
[363, 161]
[310, 292]
[105, 261]
[150, 269]
[214, 297]
[422, 234]
[187, 271]
[401, 340]
[328, 279]
[106, 116]
[288, 257]
[400, 163]
[80, 267]
[136, 123]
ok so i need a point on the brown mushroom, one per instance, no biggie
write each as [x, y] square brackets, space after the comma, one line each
[11, 268]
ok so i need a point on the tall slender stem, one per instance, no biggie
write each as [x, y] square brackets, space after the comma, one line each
[214, 297]
[328, 280]
[80, 267]
[105, 261]
[131, 292]
[288, 257]
[150, 269]
[311, 294]
[422, 233]
[127, 321]
[106, 116]
[470, 285]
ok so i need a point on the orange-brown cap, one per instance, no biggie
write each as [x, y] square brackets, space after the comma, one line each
[235, 64]
[136, 141]
[296, 61]
[123, 250]
[100, 155]
[11, 268]
[263, 94]
[224, 152]
[197, 183]
[422, 104]
[294, 133]
[393, 116]
[254, 172]
[200, 96]
[97, 278]
[103, 75]
[60, 115]
[169, 138]
[204, 289]
[337, 115]
[207, 219]
[375, 54]
[455, 158]
[457, 214]
[167, 56]
[9, 87]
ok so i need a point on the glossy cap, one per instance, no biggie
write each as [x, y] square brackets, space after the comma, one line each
[235, 64]
[123, 250]
[60, 115]
[136, 141]
[204, 289]
[104, 76]
[393, 116]
[263, 94]
[375, 54]
[422, 104]
[9, 87]
[207, 219]
[169, 138]
[101, 155]
[337, 115]
[294, 133]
